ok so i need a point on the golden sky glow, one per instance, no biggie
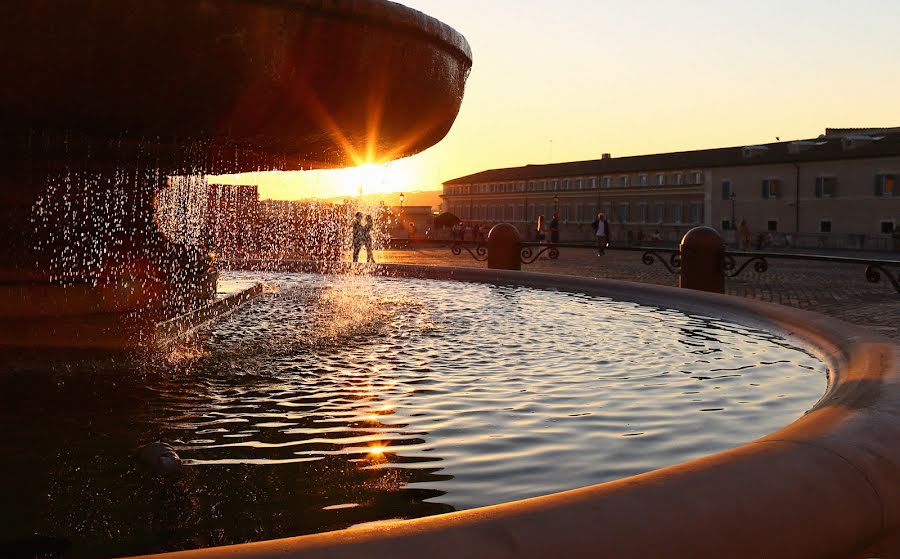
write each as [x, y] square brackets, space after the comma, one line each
[572, 79]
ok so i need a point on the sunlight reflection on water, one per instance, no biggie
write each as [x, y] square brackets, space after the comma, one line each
[338, 401]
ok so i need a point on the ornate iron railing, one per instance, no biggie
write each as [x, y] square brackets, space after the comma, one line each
[672, 264]
[527, 255]
[875, 269]
[729, 265]
[480, 253]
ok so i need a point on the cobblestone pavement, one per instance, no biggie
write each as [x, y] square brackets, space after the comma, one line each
[837, 290]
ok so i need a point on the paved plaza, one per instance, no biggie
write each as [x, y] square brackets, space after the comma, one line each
[837, 290]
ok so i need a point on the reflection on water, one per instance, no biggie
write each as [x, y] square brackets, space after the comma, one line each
[337, 401]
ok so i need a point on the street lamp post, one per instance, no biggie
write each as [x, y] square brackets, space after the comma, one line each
[402, 198]
[734, 230]
[555, 203]
[733, 197]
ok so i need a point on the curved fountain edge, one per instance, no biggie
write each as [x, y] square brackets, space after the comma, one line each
[388, 13]
[827, 485]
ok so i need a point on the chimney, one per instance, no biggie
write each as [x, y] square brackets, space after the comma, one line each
[754, 151]
[803, 145]
[858, 141]
[607, 156]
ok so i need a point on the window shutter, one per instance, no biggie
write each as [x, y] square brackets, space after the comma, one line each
[765, 189]
[879, 183]
[819, 190]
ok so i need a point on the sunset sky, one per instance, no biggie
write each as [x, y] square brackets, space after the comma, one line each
[572, 79]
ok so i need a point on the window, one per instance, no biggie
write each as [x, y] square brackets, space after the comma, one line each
[660, 179]
[642, 180]
[825, 226]
[542, 210]
[607, 182]
[885, 185]
[530, 186]
[593, 183]
[727, 191]
[771, 188]
[887, 227]
[726, 225]
[697, 177]
[565, 184]
[554, 184]
[642, 213]
[624, 181]
[660, 212]
[826, 187]
[696, 213]
[532, 213]
[624, 216]
[677, 210]
[520, 213]
[579, 184]
[772, 225]
[543, 185]
[564, 214]
[677, 179]
[579, 213]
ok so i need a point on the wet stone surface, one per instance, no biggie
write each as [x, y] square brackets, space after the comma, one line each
[330, 402]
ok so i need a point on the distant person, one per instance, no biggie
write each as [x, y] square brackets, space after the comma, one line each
[602, 232]
[367, 238]
[359, 235]
[745, 235]
[540, 235]
[554, 228]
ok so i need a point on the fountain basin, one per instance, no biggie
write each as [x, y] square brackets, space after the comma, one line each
[825, 486]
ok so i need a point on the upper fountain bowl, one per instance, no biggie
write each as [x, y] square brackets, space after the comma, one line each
[220, 86]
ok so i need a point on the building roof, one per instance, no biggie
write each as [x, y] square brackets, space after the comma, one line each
[816, 149]
[852, 131]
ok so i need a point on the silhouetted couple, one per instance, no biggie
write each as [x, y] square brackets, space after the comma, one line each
[362, 236]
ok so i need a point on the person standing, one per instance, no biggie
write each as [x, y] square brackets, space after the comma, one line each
[745, 235]
[601, 231]
[540, 233]
[359, 235]
[367, 238]
[554, 228]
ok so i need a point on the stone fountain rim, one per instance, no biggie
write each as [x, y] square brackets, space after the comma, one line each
[785, 495]
[384, 12]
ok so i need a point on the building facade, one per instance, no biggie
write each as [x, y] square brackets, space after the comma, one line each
[836, 191]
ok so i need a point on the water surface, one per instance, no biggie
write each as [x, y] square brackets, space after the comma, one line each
[336, 401]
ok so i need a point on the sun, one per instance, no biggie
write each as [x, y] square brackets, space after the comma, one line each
[373, 178]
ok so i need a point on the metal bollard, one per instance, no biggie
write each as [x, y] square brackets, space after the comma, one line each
[702, 260]
[504, 245]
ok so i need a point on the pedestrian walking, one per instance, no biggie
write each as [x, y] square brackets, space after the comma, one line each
[601, 231]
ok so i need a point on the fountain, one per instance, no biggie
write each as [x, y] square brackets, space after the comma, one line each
[111, 99]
